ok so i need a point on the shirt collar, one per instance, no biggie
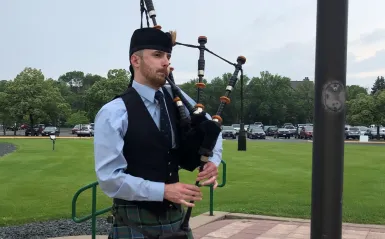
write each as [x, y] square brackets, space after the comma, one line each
[145, 91]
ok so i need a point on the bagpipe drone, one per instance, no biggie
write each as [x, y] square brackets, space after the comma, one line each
[199, 133]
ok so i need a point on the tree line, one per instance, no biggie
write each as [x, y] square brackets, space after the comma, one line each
[75, 98]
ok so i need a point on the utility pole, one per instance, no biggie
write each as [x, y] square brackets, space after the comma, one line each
[329, 120]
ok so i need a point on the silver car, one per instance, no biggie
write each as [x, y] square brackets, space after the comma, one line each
[229, 132]
[85, 130]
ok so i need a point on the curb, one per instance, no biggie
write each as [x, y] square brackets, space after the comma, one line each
[287, 219]
[205, 218]
[357, 142]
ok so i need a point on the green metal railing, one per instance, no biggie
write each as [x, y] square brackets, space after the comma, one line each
[95, 213]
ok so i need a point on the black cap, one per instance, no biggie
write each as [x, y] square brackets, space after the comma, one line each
[150, 38]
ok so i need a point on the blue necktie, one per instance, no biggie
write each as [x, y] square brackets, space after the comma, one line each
[165, 126]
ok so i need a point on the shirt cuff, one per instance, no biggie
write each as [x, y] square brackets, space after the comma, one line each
[156, 191]
[215, 159]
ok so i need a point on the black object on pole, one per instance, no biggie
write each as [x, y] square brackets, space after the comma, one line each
[242, 133]
[329, 119]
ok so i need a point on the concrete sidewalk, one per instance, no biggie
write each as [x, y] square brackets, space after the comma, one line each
[245, 226]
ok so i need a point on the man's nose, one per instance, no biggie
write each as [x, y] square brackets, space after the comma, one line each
[166, 61]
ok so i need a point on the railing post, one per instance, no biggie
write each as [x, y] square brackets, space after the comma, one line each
[94, 212]
[219, 186]
[211, 200]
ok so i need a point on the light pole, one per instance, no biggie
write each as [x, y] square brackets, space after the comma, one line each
[242, 132]
[329, 119]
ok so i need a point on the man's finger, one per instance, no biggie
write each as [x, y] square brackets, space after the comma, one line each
[188, 204]
[192, 188]
[204, 173]
[210, 174]
[207, 170]
[191, 192]
[209, 181]
[192, 198]
[215, 184]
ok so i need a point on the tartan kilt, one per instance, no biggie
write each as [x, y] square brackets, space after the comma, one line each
[151, 222]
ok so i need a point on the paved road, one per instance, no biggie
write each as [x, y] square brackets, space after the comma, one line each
[294, 140]
[67, 132]
[271, 139]
[63, 132]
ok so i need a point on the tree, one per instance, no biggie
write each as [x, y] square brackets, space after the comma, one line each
[5, 117]
[79, 117]
[304, 101]
[378, 85]
[104, 90]
[74, 80]
[30, 94]
[352, 91]
[121, 74]
[361, 110]
[275, 94]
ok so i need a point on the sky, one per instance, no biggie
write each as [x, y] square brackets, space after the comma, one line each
[93, 36]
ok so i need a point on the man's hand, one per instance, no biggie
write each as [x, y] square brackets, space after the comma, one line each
[209, 172]
[182, 193]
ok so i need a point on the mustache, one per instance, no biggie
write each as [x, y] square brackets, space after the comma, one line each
[163, 71]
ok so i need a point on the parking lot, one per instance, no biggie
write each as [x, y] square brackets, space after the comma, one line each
[294, 140]
[64, 132]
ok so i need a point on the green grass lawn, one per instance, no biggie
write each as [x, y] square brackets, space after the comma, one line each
[269, 178]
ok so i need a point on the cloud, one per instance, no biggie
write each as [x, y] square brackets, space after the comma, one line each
[277, 36]
[378, 35]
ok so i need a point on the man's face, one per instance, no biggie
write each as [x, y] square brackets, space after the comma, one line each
[153, 66]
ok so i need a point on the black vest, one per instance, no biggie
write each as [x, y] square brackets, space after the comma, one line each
[145, 148]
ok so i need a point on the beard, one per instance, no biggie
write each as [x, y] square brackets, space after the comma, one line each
[155, 77]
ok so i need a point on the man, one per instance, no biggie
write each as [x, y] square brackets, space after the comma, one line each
[135, 146]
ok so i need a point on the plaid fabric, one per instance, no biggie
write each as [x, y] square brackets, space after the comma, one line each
[149, 221]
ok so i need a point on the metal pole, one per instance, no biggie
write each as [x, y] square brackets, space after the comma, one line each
[93, 222]
[242, 132]
[329, 121]
[211, 200]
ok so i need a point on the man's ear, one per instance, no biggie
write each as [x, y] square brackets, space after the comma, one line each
[135, 60]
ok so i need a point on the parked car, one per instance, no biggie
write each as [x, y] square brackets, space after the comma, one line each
[256, 132]
[363, 129]
[282, 133]
[271, 130]
[38, 128]
[85, 130]
[306, 132]
[237, 127]
[372, 133]
[291, 128]
[287, 124]
[229, 132]
[50, 130]
[352, 132]
[297, 134]
[75, 129]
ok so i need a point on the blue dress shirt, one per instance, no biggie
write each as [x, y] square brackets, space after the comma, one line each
[109, 130]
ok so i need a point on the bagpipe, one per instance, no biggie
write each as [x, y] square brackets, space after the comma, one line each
[199, 133]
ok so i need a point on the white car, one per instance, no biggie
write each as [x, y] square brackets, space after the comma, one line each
[85, 130]
[237, 127]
